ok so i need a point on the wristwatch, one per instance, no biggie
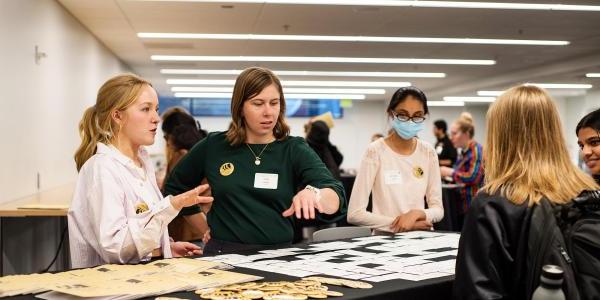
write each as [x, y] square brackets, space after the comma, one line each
[314, 190]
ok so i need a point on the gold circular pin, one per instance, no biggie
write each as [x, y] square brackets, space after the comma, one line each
[141, 207]
[226, 169]
[418, 172]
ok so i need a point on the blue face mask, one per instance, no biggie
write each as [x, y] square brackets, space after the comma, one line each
[406, 129]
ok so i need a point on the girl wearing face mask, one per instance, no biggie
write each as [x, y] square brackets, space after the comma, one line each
[400, 171]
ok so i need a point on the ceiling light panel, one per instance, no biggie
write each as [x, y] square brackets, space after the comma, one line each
[445, 103]
[341, 38]
[412, 3]
[367, 60]
[305, 83]
[470, 99]
[289, 96]
[308, 73]
[561, 85]
[287, 90]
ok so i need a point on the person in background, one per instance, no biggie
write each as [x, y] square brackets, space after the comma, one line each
[182, 131]
[318, 139]
[186, 226]
[118, 214]
[401, 171]
[468, 171]
[189, 133]
[443, 147]
[588, 138]
[171, 118]
[259, 175]
[526, 160]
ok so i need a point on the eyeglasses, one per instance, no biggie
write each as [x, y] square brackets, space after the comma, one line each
[405, 118]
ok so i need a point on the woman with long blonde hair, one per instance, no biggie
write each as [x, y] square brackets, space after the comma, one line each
[526, 160]
[118, 214]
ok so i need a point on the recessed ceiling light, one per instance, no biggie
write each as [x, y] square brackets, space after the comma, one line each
[470, 99]
[445, 103]
[553, 92]
[592, 75]
[201, 81]
[308, 73]
[286, 90]
[339, 38]
[412, 3]
[367, 60]
[306, 83]
[561, 85]
[289, 96]
[489, 93]
[345, 83]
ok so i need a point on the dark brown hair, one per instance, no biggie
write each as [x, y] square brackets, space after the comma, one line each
[247, 85]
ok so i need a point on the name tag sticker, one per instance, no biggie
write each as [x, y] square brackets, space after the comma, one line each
[265, 181]
[392, 177]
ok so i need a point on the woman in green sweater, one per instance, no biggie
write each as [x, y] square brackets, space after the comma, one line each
[260, 177]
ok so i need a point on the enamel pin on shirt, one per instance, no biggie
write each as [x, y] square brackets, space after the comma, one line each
[141, 208]
[226, 169]
[418, 172]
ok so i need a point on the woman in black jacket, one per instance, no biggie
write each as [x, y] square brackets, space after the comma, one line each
[525, 159]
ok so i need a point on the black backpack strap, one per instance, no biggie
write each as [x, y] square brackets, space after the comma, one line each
[588, 201]
[541, 225]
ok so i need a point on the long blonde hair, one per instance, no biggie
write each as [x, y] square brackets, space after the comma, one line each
[118, 93]
[526, 155]
[247, 85]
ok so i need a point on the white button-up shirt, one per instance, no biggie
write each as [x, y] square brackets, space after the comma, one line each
[104, 226]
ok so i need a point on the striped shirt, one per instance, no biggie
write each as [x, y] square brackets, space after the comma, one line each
[468, 170]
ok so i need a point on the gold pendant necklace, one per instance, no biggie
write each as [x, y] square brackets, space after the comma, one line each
[257, 157]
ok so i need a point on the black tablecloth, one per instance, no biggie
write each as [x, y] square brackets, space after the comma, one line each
[450, 200]
[438, 288]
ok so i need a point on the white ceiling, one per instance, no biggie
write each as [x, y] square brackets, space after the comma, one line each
[116, 23]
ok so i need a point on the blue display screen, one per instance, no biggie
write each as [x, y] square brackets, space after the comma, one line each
[221, 107]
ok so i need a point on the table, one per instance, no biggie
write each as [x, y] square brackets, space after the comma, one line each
[59, 196]
[438, 288]
[433, 288]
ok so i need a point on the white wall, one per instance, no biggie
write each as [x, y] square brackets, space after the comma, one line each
[41, 105]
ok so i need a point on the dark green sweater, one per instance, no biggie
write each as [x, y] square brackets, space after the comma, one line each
[240, 212]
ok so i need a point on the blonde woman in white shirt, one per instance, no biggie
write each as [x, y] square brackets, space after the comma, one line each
[118, 214]
[400, 171]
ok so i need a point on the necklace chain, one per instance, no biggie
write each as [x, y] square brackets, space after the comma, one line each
[257, 157]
